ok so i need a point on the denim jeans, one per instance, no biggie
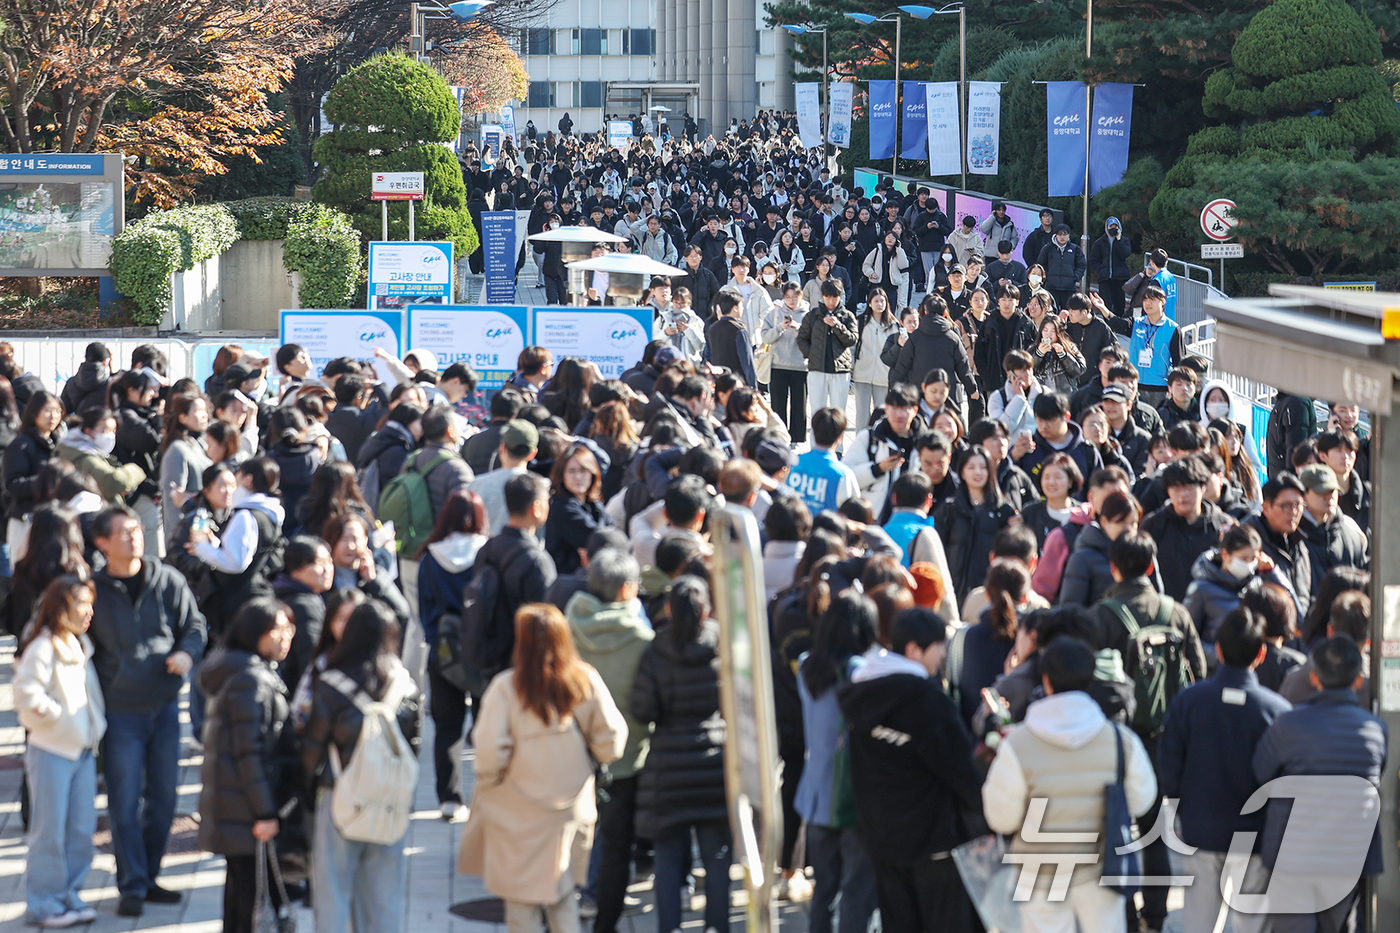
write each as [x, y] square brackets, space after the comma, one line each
[62, 819]
[673, 861]
[142, 754]
[357, 885]
[840, 866]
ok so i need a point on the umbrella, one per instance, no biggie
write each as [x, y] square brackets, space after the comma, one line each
[661, 107]
[576, 235]
[627, 264]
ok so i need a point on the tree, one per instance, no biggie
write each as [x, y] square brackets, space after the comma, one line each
[492, 74]
[392, 114]
[1302, 87]
[181, 85]
[1308, 218]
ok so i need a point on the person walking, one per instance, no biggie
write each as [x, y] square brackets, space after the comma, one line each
[59, 702]
[1205, 759]
[825, 338]
[1066, 750]
[607, 626]
[543, 724]
[681, 788]
[840, 865]
[249, 745]
[913, 776]
[359, 883]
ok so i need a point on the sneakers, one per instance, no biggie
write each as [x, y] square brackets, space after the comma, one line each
[158, 895]
[587, 908]
[86, 914]
[68, 918]
[795, 889]
[131, 905]
[453, 811]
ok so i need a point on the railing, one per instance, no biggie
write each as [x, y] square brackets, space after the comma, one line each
[1192, 290]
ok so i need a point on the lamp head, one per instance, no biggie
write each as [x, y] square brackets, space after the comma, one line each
[919, 12]
[863, 18]
[466, 9]
[795, 30]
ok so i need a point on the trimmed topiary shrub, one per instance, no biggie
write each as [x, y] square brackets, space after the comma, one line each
[393, 114]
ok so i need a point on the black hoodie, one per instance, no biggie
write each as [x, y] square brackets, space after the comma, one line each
[917, 791]
[936, 345]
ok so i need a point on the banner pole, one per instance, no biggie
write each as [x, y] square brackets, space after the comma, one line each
[384, 219]
[962, 90]
[898, 110]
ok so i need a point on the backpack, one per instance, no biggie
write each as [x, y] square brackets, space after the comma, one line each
[406, 503]
[368, 481]
[1155, 664]
[373, 797]
[485, 632]
[447, 658]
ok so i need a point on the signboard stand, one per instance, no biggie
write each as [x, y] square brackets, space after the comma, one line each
[395, 186]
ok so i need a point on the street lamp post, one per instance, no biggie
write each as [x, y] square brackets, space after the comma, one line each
[924, 12]
[826, 113]
[866, 19]
[1088, 132]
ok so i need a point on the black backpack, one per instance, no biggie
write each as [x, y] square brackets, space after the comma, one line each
[477, 645]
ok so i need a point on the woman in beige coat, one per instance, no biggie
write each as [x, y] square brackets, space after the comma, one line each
[541, 726]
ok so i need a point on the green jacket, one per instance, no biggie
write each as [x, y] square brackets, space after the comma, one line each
[813, 335]
[114, 480]
[612, 637]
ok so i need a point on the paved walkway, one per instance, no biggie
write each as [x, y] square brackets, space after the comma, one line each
[434, 885]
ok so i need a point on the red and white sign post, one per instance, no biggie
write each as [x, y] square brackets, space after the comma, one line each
[1219, 223]
[395, 186]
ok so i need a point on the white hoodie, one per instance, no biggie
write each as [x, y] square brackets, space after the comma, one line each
[1240, 413]
[457, 552]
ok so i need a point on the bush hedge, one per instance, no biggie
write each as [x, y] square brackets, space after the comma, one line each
[320, 243]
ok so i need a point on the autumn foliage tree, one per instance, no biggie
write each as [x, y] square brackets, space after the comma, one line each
[180, 85]
[489, 70]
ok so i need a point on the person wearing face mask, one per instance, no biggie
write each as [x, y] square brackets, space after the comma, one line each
[1218, 404]
[1219, 578]
[89, 448]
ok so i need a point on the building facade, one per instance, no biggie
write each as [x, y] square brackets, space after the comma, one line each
[713, 58]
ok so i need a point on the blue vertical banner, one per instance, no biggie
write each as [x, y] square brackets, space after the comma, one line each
[1113, 125]
[882, 125]
[498, 247]
[915, 131]
[1064, 137]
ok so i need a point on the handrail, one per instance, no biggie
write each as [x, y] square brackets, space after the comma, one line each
[1188, 267]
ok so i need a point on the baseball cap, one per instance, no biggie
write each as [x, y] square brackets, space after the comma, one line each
[958, 268]
[1114, 392]
[666, 356]
[520, 437]
[238, 373]
[772, 456]
[1317, 477]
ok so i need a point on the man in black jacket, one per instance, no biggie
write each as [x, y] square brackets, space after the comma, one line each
[936, 345]
[1292, 420]
[1089, 331]
[728, 342]
[1109, 259]
[525, 567]
[479, 450]
[147, 634]
[917, 793]
[1185, 527]
[701, 281]
[1277, 522]
[1038, 238]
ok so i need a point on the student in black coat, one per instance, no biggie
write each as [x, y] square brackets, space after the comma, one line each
[917, 794]
[249, 753]
[575, 507]
[682, 784]
[970, 522]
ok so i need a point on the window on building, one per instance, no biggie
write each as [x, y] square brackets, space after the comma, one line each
[593, 41]
[539, 41]
[591, 94]
[765, 42]
[638, 42]
[541, 94]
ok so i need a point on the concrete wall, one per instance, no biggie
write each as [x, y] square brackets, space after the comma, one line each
[241, 289]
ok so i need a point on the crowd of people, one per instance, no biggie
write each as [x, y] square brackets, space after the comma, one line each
[1043, 555]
